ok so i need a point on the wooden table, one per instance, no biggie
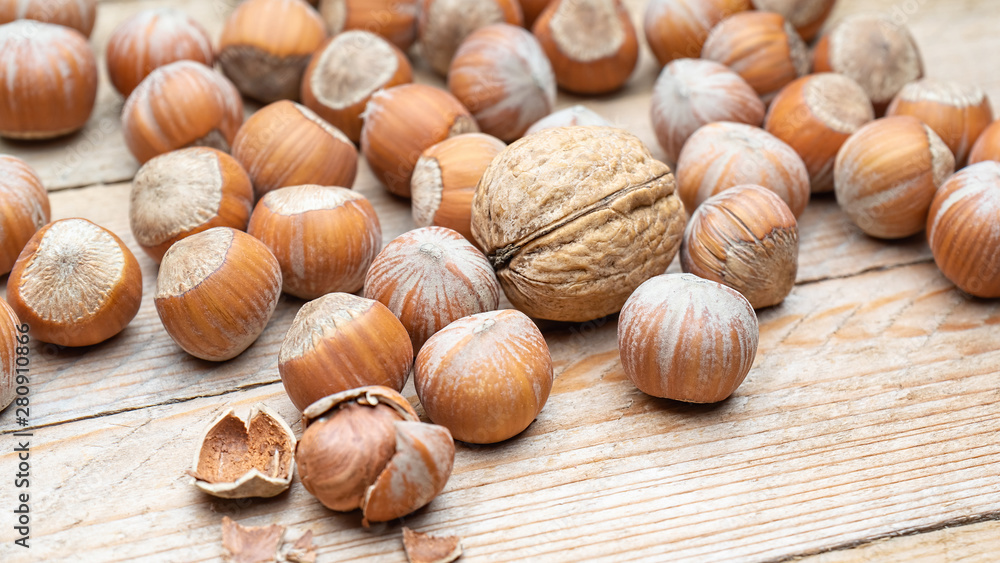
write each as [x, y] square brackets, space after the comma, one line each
[867, 429]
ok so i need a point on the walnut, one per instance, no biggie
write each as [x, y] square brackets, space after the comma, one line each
[574, 219]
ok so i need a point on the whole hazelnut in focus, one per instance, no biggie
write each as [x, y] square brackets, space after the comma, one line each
[216, 291]
[151, 39]
[502, 75]
[591, 44]
[688, 339]
[401, 123]
[99, 284]
[957, 113]
[180, 193]
[324, 238]
[573, 220]
[155, 121]
[442, 25]
[10, 337]
[988, 145]
[746, 238]
[287, 144]
[961, 229]
[531, 9]
[761, 47]
[722, 155]
[366, 449]
[394, 20]
[807, 16]
[77, 14]
[886, 174]
[815, 115]
[344, 74]
[677, 29]
[872, 50]
[266, 45]
[445, 179]
[340, 342]
[430, 277]
[690, 93]
[24, 208]
[568, 117]
[48, 80]
[484, 377]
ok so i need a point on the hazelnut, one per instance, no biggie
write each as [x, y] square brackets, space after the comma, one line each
[591, 44]
[677, 29]
[155, 122]
[807, 16]
[685, 338]
[180, 193]
[958, 114]
[886, 174]
[502, 75]
[815, 115]
[243, 459]
[720, 156]
[395, 20]
[266, 45]
[344, 74]
[761, 47]
[99, 284]
[11, 336]
[872, 50]
[484, 377]
[568, 117]
[430, 277]
[403, 122]
[151, 39]
[366, 449]
[575, 219]
[77, 14]
[324, 237]
[287, 144]
[988, 145]
[340, 342]
[215, 292]
[531, 9]
[48, 80]
[691, 93]
[24, 208]
[961, 229]
[746, 238]
[442, 25]
[445, 180]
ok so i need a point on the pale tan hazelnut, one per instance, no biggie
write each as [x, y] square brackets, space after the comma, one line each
[568, 117]
[442, 25]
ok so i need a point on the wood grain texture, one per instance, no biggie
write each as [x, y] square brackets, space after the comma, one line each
[972, 543]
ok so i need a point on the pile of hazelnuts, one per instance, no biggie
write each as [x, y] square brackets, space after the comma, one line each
[573, 221]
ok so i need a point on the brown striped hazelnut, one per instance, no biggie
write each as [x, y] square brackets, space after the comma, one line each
[961, 229]
[48, 80]
[722, 155]
[568, 117]
[677, 29]
[394, 20]
[216, 291]
[180, 193]
[690, 93]
[155, 123]
[324, 237]
[11, 335]
[77, 14]
[442, 25]
[266, 45]
[502, 75]
[24, 208]
[287, 144]
[445, 180]
[815, 115]
[344, 74]
[761, 47]
[807, 16]
[987, 147]
[99, 289]
[746, 238]
[340, 342]
[484, 377]
[591, 44]
[886, 174]
[151, 39]
[685, 338]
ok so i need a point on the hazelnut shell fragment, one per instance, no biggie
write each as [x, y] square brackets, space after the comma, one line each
[430, 548]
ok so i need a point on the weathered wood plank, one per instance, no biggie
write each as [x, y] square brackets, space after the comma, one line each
[972, 543]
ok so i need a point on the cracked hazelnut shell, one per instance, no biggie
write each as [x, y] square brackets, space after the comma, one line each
[77, 14]
[442, 25]
[24, 208]
[677, 29]
[395, 20]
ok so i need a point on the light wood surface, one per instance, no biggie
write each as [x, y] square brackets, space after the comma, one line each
[867, 429]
